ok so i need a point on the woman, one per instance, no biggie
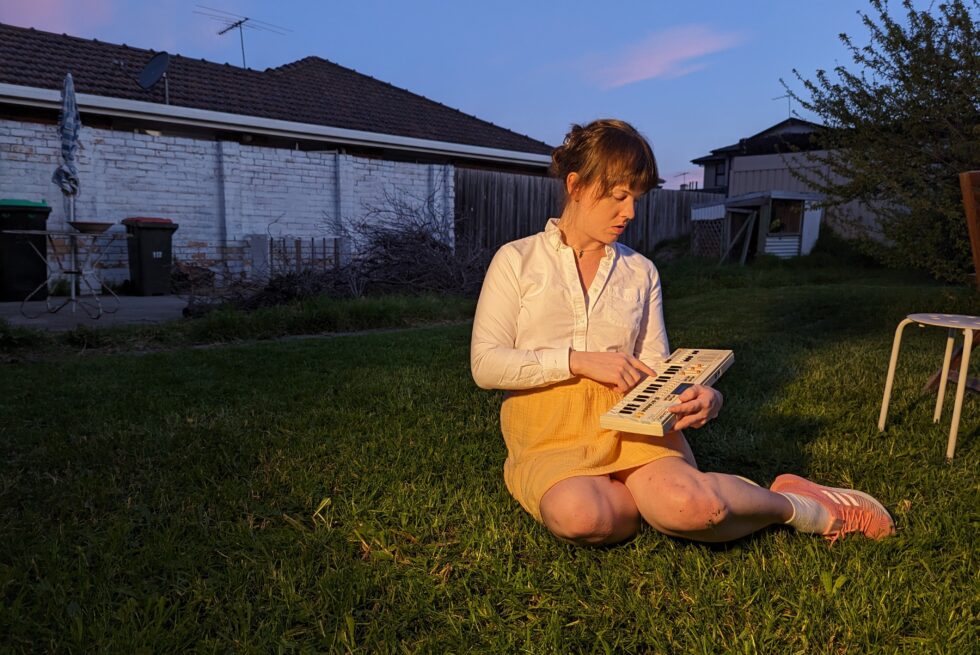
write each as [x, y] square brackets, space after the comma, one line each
[565, 321]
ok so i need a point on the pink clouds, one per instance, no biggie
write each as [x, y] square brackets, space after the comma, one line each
[161, 25]
[667, 54]
[61, 16]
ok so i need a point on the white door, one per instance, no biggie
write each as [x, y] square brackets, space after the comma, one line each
[811, 227]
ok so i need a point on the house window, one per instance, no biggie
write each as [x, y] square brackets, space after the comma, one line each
[720, 174]
[787, 217]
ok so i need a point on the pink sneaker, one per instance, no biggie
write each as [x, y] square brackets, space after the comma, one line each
[853, 511]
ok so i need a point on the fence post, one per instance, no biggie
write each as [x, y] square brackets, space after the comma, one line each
[261, 248]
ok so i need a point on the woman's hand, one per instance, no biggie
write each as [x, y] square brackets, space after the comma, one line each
[698, 405]
[618, 370]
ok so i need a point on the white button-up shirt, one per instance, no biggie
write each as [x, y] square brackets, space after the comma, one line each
[532, 312]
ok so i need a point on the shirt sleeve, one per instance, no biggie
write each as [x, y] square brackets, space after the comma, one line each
[494, 360]
[651, 342]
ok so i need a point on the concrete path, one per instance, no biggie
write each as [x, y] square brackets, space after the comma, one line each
[131, 310]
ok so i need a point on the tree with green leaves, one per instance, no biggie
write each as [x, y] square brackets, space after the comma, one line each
[902, 123]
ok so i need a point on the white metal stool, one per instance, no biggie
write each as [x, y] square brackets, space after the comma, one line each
[954, 323]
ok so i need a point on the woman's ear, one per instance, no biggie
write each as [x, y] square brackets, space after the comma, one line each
[572, 183]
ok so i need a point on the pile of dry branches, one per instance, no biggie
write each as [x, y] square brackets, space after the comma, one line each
[403, 246]
[409, 247]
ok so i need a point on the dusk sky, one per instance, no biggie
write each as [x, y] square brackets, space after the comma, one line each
[690, 76]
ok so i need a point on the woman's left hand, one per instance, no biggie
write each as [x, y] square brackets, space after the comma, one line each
[697, 406]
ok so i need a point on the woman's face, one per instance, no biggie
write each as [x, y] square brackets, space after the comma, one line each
[605, 218]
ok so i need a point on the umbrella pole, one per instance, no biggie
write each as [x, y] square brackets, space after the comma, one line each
[73, 246]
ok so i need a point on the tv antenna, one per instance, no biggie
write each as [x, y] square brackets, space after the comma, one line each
[789, 99]
[155, 69]
[232, 21]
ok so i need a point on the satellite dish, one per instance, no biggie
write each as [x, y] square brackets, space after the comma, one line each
[154, 70]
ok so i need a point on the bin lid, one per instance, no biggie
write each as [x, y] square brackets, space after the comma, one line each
[138, 220]
[14, 202]
[149, 223]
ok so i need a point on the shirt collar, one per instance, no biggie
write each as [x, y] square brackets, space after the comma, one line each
[553, 235]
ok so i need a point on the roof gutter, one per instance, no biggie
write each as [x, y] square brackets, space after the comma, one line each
[108, 106]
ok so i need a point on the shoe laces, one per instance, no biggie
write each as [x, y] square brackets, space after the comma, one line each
[852, 519]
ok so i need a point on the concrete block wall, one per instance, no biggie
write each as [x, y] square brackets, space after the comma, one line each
[219, 192]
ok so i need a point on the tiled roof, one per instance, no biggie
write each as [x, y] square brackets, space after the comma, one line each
[311, 90]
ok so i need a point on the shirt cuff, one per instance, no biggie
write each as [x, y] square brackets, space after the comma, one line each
[555, 361]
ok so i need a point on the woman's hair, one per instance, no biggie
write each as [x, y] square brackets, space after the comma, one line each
[608, 152]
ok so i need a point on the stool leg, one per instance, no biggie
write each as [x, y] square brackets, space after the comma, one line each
[890, 379]
[945, 374]
[960, 388]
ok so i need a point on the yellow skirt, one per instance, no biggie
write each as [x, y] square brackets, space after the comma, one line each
[552, 433]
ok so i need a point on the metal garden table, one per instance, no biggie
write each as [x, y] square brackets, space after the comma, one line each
[80, 265]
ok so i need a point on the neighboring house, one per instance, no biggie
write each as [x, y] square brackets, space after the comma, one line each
[766, 208]
[233, 155]
[758, 162]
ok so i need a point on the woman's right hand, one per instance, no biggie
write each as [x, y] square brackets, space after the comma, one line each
[618, 370]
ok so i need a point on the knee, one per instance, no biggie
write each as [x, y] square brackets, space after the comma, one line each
[585, 523]
[689, 506]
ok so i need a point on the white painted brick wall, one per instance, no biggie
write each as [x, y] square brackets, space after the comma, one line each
[218, 192]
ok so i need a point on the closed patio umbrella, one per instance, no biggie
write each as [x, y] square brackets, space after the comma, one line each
[66, 175]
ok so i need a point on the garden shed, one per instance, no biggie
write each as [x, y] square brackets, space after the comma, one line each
[781, 223]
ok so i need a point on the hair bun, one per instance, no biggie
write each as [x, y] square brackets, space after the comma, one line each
[606, 152]
[565, 158]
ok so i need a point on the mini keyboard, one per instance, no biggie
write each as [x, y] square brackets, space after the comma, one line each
[644, 408]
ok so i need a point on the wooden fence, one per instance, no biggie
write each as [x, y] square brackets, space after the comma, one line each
[280, 255]
[493, 208]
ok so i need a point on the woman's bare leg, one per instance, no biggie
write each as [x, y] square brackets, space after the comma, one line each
[677, 499]
[590, 510]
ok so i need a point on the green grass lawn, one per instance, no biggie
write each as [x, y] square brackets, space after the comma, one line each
[346, 494]
[226, 325]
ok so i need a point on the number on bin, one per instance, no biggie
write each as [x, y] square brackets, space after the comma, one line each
[157, 254]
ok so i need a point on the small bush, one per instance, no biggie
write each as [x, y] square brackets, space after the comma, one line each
[17, 338]
[86, 337]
